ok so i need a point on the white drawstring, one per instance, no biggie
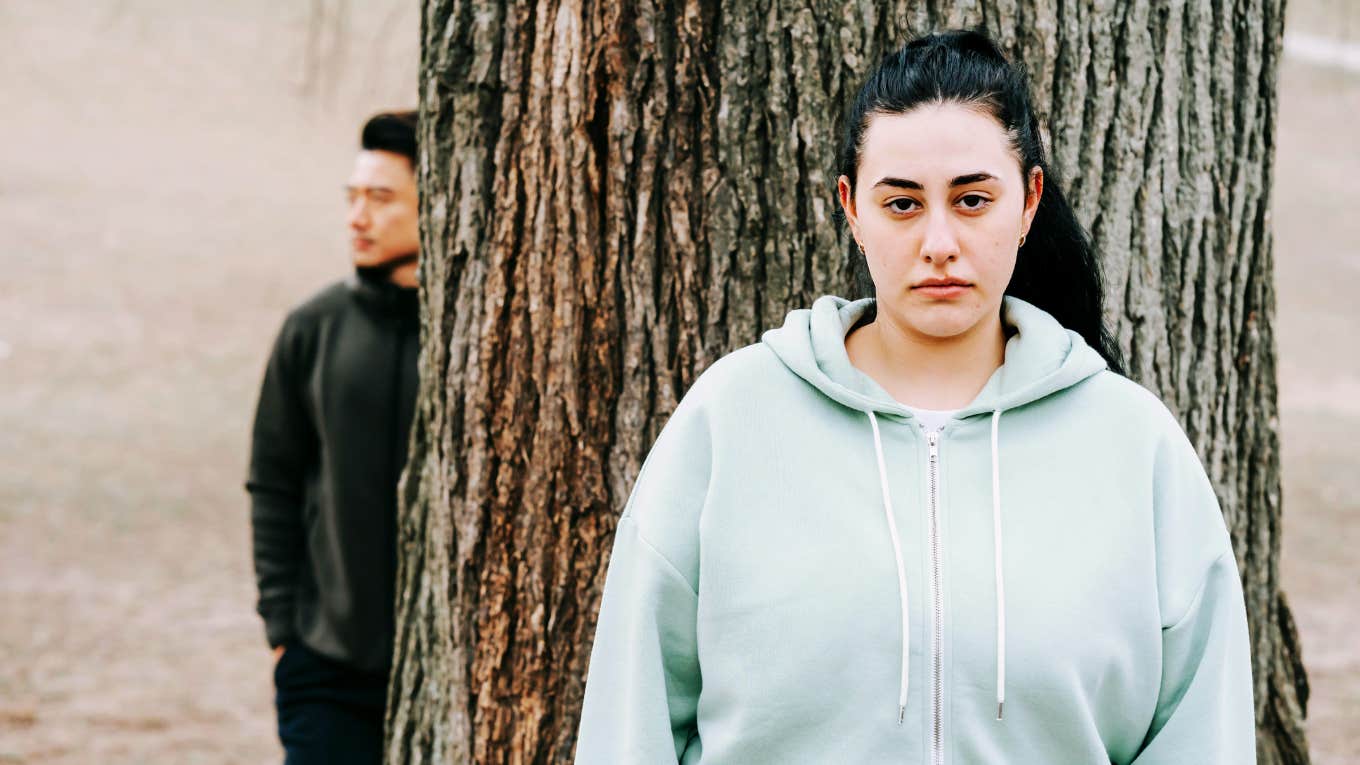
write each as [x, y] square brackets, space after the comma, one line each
[1000, 580]
[901, 570]
[902, 573]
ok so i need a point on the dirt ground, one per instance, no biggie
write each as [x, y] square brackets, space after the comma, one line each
[170, 180]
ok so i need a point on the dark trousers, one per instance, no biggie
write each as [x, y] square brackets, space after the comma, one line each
[328, 712]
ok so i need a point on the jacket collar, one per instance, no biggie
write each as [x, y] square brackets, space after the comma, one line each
[372, 288]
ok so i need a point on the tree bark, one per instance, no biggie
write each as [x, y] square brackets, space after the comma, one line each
[616, 194]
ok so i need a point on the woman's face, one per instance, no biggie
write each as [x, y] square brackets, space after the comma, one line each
[939, 207]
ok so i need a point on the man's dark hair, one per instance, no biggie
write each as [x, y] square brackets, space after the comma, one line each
[391, 131]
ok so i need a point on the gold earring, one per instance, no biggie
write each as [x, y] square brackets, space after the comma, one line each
[861, 248]
[1022, 240]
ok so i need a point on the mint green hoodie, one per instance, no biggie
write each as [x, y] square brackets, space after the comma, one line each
[803, 575]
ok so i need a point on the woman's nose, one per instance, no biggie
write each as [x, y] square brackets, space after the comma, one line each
[940, 244]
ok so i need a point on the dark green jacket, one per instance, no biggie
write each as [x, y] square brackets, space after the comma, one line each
[328, 447]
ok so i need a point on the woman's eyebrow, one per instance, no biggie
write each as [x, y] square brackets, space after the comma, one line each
[962, 180]
[899, 183]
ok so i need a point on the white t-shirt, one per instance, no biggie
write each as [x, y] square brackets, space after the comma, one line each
[932, 419]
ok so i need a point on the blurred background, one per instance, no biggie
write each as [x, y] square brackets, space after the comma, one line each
[171, 183]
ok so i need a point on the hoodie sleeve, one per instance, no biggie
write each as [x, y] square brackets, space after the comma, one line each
[1204, 709]
[642, 689]
[282, 450]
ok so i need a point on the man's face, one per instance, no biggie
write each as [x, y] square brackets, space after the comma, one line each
[382, 217]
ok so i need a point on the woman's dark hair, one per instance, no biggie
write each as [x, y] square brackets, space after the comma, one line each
[1056, 269]
[391, 131]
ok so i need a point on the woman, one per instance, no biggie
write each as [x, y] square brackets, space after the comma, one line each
[934, 527]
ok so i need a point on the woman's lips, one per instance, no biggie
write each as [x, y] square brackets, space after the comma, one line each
[942, 290]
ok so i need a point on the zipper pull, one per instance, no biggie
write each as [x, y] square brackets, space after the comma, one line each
[933, 438]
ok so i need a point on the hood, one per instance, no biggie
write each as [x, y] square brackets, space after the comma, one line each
[1042, 357]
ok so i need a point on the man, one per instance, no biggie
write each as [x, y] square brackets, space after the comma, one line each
[328, 447]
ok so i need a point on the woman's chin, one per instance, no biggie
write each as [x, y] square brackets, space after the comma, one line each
[939, 318]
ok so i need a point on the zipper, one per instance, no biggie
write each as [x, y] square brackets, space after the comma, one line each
[937, 598]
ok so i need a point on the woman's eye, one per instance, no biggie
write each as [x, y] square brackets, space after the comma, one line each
[974, 201]
[902, 205]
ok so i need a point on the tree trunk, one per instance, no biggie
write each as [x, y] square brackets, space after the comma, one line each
[616, 194]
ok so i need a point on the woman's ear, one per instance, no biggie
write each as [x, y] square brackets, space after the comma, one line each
[1034, 190]
[847, 198]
